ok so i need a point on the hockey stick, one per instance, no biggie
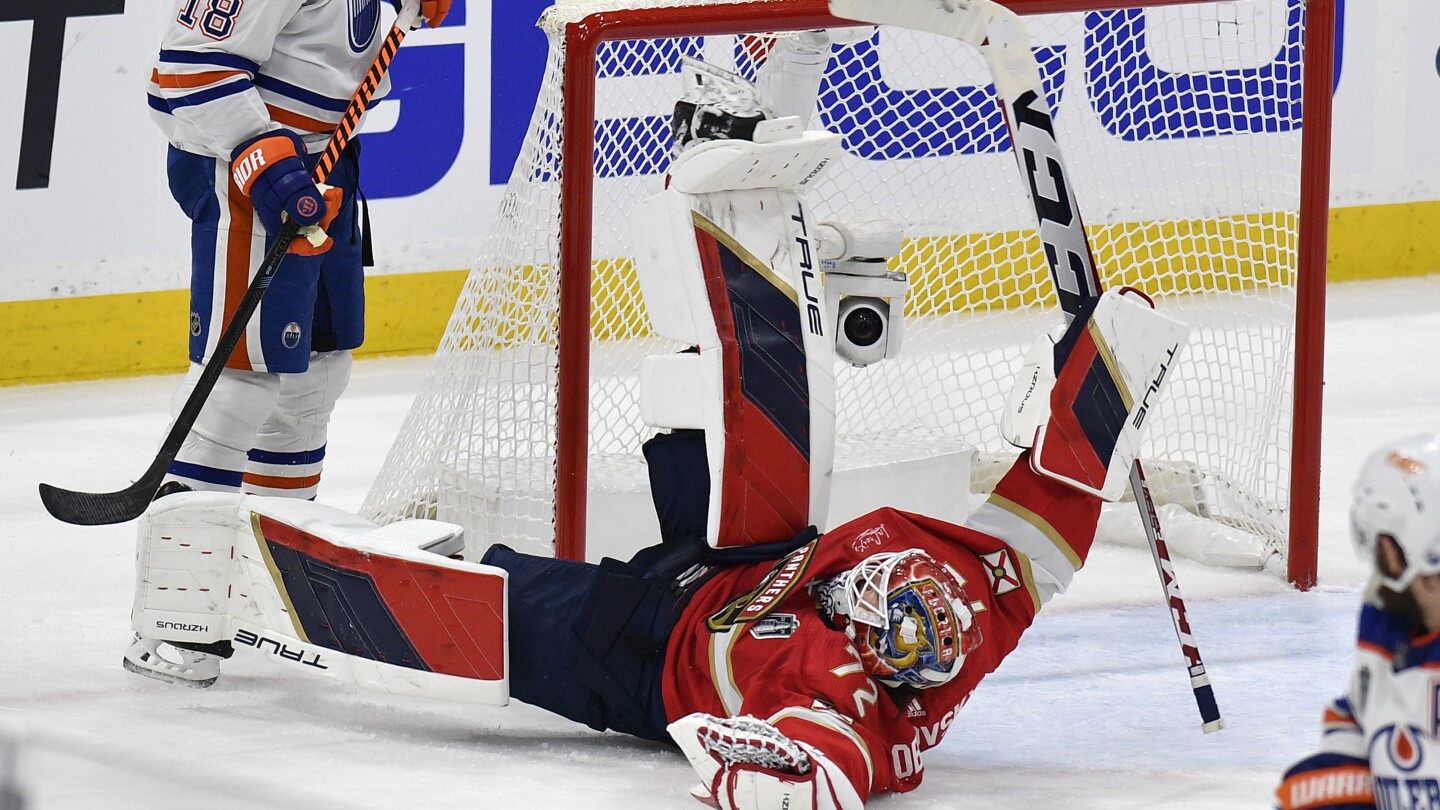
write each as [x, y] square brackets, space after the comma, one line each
[1000, 36]
[98, 508]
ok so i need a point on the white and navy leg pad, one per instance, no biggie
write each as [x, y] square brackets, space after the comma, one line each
[383, 607]
[183, 568]
[728, 264]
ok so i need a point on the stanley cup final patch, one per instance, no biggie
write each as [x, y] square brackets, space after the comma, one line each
[1004, 574]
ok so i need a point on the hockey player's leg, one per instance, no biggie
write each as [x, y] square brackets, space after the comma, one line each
[314, 359]
[289, 448]
[213, 455]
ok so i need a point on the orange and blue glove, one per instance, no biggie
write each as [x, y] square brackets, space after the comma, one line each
[268, 170]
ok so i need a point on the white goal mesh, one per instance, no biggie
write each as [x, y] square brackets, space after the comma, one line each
[1181, 127]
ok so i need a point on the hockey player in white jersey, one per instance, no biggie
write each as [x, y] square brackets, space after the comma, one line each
[244, 92]
[1380, 741]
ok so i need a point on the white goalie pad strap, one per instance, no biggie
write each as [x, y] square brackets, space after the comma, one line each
[875, 239]
[679, 391]
[1105, 394]
[795, 159]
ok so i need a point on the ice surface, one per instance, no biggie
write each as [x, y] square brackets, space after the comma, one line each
[1092, 711]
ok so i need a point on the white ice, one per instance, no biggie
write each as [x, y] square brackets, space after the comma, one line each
[1092, 711]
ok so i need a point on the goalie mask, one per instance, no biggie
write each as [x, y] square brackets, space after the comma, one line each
[716, 105]
[1397, 494]
[908, 616]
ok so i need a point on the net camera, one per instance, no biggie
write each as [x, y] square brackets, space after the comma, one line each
[868, 300]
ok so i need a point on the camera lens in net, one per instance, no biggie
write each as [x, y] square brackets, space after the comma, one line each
[864, 326]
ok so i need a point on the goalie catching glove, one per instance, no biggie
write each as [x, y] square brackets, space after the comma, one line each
[745, 763]
[1082, 400]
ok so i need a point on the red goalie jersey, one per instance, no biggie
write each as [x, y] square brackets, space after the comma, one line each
[754, 640]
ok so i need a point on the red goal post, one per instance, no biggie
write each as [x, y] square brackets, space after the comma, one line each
[1279, 248]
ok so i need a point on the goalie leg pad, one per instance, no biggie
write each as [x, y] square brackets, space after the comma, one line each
[1114, 363]
[183, 562]
[383, 607]
[761, 383]
[326, 590]
[183, 567]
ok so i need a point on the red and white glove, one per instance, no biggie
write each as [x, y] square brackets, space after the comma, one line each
[745, 763]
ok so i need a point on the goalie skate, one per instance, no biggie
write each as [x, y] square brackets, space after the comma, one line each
[166, 662]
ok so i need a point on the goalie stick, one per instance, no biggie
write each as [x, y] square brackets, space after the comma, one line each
[1000, 36]
[99, 508]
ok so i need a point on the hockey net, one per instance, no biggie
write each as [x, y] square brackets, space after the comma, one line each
[1181, 123]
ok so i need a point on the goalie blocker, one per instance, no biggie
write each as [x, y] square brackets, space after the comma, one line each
[384, 608]
[1085, 421]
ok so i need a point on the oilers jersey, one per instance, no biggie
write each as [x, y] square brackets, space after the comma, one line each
[1390, 714]
[229, 70]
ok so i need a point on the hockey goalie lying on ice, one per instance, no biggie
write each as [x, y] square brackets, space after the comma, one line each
[793, 669]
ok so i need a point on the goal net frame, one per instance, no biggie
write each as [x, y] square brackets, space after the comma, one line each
[583, 39]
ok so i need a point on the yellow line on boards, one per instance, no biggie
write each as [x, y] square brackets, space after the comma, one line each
[133, 334]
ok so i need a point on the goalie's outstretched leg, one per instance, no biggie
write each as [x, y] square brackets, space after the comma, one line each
[384, 607]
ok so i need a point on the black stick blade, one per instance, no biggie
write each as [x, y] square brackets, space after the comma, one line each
[101, 508]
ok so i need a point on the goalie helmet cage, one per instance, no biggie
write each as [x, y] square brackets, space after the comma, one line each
[1181, 122]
